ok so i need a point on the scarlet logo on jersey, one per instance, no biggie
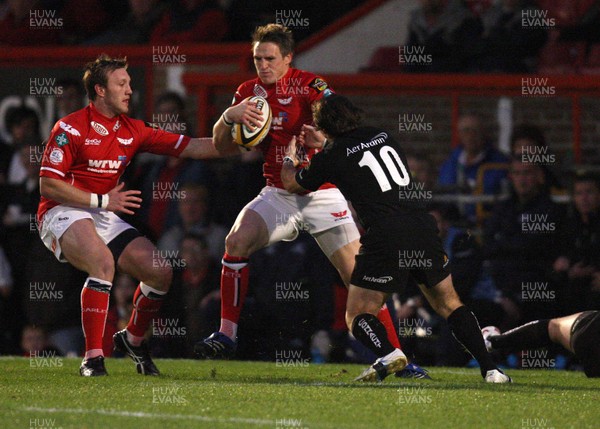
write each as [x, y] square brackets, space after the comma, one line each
[340, 214]
[285, 101]
[99, 128]
[68, 128]
[125, 141]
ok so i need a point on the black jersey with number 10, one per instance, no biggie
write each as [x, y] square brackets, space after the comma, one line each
[371, 170]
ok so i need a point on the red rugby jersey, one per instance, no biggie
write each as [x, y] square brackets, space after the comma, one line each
[290, 99]
[90, 151]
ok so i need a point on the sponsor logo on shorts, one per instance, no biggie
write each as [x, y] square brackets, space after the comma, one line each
[56, 156]
[68, 128]
[340, 215]
[61, 219]
[125, 142]
[383, 279]
[99, 128]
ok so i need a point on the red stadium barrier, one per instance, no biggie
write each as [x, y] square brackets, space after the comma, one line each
[204, 86]
[138, 55]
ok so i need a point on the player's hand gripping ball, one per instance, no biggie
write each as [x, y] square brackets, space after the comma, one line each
[249, 137]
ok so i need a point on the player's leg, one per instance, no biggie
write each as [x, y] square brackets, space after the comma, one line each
[81, 246]
[138, 257]
[265, 220]
[362, 308]
[343, 259]
[532, 335]
[464, 326]
[559, 330]
[248, 234]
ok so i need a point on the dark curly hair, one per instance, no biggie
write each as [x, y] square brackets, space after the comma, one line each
[336, 115]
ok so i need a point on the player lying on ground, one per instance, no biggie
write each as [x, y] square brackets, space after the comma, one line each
[275, 214]
[85, 155]
[370, 169]
[579, 333]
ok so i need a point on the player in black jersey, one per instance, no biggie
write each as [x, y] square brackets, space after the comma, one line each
[401, 239]
[579, 333]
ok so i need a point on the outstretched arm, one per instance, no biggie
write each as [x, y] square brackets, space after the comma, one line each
[203, 148]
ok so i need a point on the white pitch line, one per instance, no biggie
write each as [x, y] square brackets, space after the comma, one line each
[150, 415]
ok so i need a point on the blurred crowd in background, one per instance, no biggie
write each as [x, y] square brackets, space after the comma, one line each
[523, 236]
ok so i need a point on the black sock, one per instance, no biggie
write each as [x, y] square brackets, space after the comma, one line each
[367, 329]
[466, 330]
[532, 335]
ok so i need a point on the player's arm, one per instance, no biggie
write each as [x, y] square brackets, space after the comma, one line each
[67, 194]
[243, 113]
[203, 148]
[288, 177]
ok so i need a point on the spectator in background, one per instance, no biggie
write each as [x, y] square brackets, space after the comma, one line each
[161, 178]
[422, 170]
[579, 261]
[71, 99]
[83, 19]
[34, 341]
[521, 241]
[17, 29]
[461, 170]
[23, 125]
[448, 33]
[529, 144]
[508, 46]
[196, 291]
[135, 27]
[8, 315]
[193, 208]
[190, 21]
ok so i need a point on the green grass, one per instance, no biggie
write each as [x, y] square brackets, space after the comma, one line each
[218, 394]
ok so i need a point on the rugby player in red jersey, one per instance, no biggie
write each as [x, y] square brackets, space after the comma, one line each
[85, 156]
[275, 214]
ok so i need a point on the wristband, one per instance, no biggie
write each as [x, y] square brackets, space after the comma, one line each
[289, 159]
[227, 121]
[99, 201]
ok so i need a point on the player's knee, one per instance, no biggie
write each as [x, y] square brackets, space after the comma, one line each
[103, 267]
[237, 244]
[165, 277]
[161, 278]
[554, 330]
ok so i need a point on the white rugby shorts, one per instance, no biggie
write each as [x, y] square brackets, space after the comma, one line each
[58, 219]
[287, 214]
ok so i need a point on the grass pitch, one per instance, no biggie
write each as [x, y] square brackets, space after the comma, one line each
[50, 394]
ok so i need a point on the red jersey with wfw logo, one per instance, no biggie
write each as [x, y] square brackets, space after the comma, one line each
[90, 151]
[290, 99]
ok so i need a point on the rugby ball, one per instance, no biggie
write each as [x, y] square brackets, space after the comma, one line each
[248, 137]
[487, 332]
